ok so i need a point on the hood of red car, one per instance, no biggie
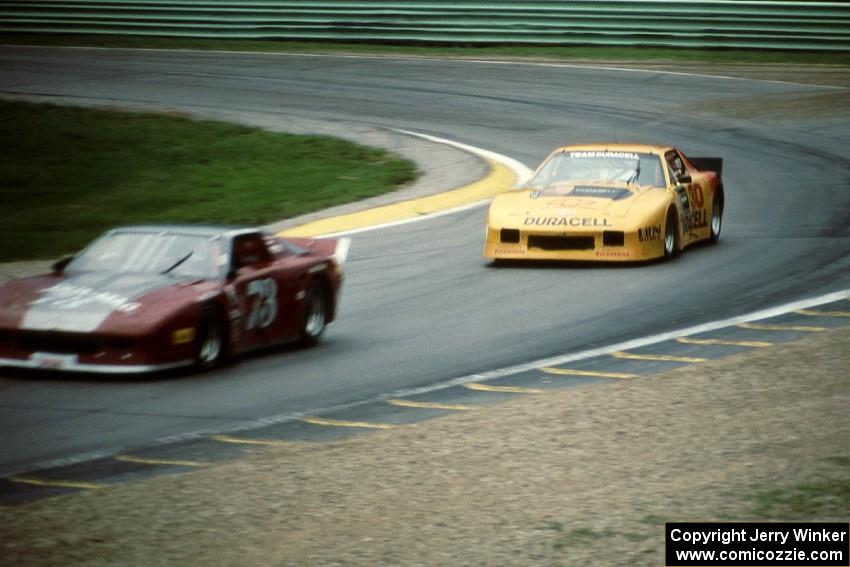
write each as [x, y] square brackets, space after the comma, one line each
[77, 302]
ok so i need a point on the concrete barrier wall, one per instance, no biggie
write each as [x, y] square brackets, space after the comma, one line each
[682, 23]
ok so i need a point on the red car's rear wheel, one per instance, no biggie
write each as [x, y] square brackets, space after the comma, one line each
[210, 337]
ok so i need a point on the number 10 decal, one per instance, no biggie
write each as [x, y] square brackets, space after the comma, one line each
[695, 192]
[264, 308]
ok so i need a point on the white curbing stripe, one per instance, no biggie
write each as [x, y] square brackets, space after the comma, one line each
[520, 171]
[635, 343]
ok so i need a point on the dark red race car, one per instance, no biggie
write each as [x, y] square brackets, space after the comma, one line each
[149, 298]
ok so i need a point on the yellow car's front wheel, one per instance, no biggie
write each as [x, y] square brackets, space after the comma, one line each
[670, 235]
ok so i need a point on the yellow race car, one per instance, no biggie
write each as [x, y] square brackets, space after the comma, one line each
[610, 202]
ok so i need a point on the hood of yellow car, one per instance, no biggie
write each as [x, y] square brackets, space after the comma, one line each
[595, 201]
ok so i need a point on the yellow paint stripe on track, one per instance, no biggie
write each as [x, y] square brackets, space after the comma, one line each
[55, 483]
[814, 313]
[499, 180]
[723, 342]
[769, 327]
[590, 373]
[429, 405]
[166, 462]
[658, 357]
[503, 389]
[342, 423]
[247, 441]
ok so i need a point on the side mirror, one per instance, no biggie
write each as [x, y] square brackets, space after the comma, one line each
[684, 178]
[59, 266]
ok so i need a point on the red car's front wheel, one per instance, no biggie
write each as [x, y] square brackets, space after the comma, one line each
[315, 314]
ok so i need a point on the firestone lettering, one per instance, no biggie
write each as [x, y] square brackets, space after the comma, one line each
[566, 221]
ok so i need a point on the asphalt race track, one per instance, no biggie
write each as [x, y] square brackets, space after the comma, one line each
[420, 306]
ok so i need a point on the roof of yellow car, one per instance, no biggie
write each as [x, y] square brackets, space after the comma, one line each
[617, 146]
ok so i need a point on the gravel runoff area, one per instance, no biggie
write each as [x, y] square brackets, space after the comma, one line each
[581, 476]
[586, 475]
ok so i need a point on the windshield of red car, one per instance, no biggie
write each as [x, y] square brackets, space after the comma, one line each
[560, 172]
[180, 255]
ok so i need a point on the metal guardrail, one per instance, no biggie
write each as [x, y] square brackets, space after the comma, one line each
[761, 24]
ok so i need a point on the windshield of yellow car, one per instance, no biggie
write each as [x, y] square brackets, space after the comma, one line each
[563, 169]
[180, 255]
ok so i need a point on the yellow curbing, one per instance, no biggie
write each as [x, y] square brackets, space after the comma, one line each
[771, 327]
[154, 462]
[814, 313]
[55, 483]
[344, 423]
[249, 441]
[589, 373]
[658, 357]
[429, 405]
[499, 180]
[503, 389]
[723, 342]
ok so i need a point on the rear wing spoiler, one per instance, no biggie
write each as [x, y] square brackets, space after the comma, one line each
[335, 248]
[714, 164]
[341, 251]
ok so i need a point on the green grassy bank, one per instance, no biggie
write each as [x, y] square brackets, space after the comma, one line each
[66, 174]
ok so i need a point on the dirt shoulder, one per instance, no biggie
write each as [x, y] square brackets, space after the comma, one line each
[580, 476]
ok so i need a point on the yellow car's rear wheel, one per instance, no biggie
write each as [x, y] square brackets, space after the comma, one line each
[716, 215]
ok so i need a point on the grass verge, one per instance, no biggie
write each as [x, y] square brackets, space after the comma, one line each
[827, 497]
[483, 51]
[67, 174]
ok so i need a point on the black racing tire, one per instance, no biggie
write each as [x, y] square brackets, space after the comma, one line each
[316, 314]
[670, 241]
[210, 339]
[716, 222]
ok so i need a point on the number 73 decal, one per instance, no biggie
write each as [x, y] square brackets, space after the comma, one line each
[263, 294]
